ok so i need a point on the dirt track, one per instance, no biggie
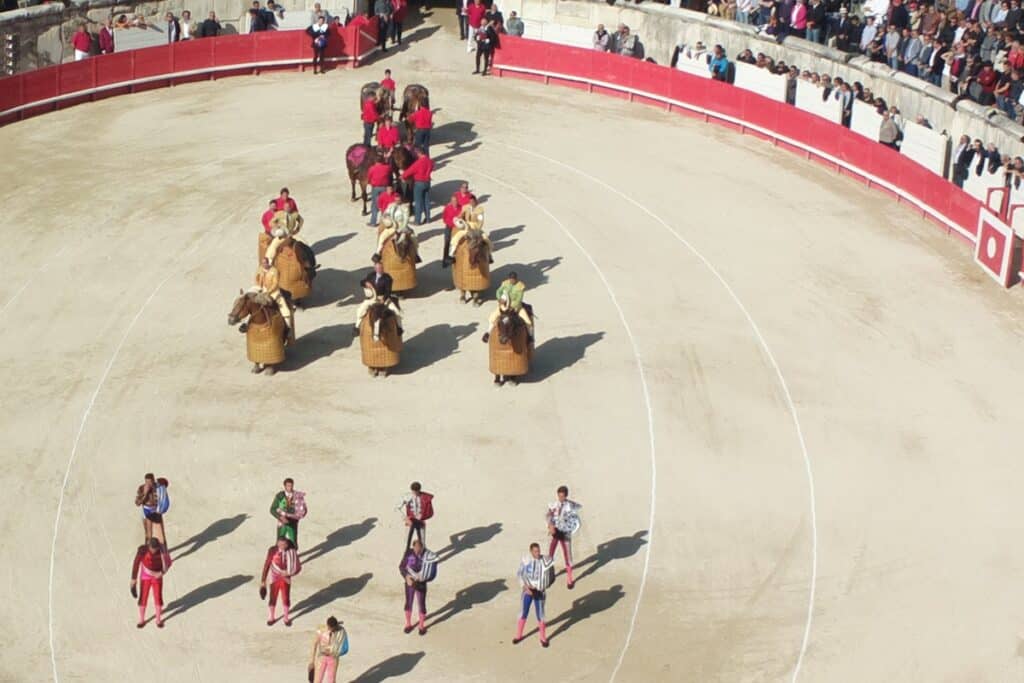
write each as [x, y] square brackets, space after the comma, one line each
[902, 361]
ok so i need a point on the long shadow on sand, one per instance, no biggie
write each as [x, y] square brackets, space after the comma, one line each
[467, 540]
[222, 527]
[582, 609]
[318, 344]
[467, 598]
[328, 243]
[533, 275]
[209, 591]
[392, 667]
[560, 353]
[340, 538]
[616, 549]
[345, 588]
[433, 344]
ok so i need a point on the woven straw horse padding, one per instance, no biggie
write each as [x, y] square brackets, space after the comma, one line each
[512, 359]
[403, 273]
[265, 343]
[384, 353]
[264, 242]
[291, 275]
[470, 278]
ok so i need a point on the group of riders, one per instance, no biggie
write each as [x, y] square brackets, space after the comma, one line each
[463, 218]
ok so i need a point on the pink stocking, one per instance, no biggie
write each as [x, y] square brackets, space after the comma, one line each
[142, 614]
[159, 611]
[408, 618]
[519, 629]
[542, 627]
[273, 613]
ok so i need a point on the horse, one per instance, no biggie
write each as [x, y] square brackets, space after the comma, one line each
[358, 159]
[511, 348]
[402, 157]
[296, 268]
[387, 98]
[380, 339]
[265, 329]
[472, 272]
[413, 96]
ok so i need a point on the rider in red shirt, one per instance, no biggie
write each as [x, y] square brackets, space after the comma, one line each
[284, 201]
[387, 198]
[268, 215]
[464, 196]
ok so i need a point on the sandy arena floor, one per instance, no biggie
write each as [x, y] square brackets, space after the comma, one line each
[775, 392]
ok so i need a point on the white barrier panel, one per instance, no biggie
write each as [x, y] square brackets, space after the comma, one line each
[809, 98]
[978, 185]
[865, 120]
[574, 36]
[925, 146]
[760, 81]
[694, 64]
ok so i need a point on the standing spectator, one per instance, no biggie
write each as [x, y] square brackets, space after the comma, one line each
[82, 42]
[475, 17]
[626, 43]
[898, 15]
[962, 156]
[423, 122]
[514, 26]
[910, 50]
[867, 35]
[816, 22]
[744, 10]
[273, 12]
[932, 19]
[210, 28]
[257, 20]
[719, 65]
[846, 103]
[382, 10]
[186, 25]
[892, 47]
[798, 18]
[937, 63]
[319, 33]
[486, 40]
[107, 37]
[420, 172]
[889, 132]
[601, 39]
[173, 28]
[462, 12]
[317, 12]
[399, 8]
[843, 31]
[379, 179]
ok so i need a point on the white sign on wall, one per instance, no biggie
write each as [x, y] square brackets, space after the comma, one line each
[810, 98]
[925, 146]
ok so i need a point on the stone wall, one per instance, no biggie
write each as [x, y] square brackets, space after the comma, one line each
[661, 28]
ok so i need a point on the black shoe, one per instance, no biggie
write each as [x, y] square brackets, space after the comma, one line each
[418, 259]
[355, 330]
[487, 337]
[476, 72]
[445, 262]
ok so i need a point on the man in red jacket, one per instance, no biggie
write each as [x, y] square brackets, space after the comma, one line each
[451, 211]
[423, 121]
[107, 37]
[369, 117]
[420, 172]
[388, 83]
[379, 178]
[82, 42]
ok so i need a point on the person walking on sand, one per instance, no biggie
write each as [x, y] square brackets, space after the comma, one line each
[151, 563]
[330, 643]
[536, 573]
[418, 567]
[281, 564]
[152, 497]
[563, 521]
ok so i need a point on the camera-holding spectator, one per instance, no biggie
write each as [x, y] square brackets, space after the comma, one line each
[210, 28]
[514, 26]
[747, 57]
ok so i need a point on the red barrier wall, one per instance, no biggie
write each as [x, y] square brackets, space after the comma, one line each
[42, 90]
[799, 131]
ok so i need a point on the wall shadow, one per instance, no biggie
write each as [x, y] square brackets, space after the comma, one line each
[559, 353]
[467, 598]
[345, 588]
[222, 527]
[340, 538]
[433, 344]
[209, 591]
[392, 667]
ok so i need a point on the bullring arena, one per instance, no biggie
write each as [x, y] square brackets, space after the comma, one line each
[789, 406]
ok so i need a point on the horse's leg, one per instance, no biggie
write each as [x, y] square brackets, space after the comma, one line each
[352, 178]
[363, 183]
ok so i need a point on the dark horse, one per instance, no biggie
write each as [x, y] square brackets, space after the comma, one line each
[358, 159]
[378, 313]
[477, 247]
[404, 248]
[402, 157]
[386, 103]
[413, 96]
[307, 257]
[508, 326]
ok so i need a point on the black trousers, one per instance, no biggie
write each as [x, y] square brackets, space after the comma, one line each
[420, 529]
[486, 54]
[447, 242]
[463, 27]
[318, 57]
[382, 34]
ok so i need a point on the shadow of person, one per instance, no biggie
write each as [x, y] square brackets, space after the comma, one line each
[585, 607]
[209, 591]
[458, 133]
[331, 286]
[467, 540]
[465, 599]
[560, 353]
[340, 538]
[320, 343]
[499, 234]
[328, 243]
[345, 588]
[616, 549]
[433, 344]
[222, 527]
[533, 275]
[392, 667]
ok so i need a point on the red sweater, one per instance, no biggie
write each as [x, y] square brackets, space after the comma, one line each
[285, 204]
[463, 199]
[420, 169]
[422, 118]
[450, 214]
[379, 175]
[386, 199]
[369, 110]
[476, 14]
[387, 137]
[267, 216]
[388, 83]
[82, 41]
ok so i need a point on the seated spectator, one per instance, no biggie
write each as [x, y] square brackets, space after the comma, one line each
[713, 9]
[210, 28]
[514, 26]
[139, 21]
[719, 65]
[187, 27]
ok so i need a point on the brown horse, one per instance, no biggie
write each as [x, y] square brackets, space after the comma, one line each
[477, 247]
[265, 329]
[514, 348]
[378, 313]
[358, 159]
[404, 245]
[509, 323]
[413, 96]
[402, 157]
[386, 103]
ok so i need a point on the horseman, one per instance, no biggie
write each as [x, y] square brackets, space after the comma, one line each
[377, 288]
[285, 223]
[267, 283]
[510, 297]
[396, 224]
[471, 218]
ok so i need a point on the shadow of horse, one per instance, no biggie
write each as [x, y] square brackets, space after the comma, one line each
[467, 540]
[340, 538]
[616, 549]
[392, 667]
[328, 243]
[209, 591]
[533, 275]
[433, 344]
[477, 594]
[222, 527]
[345, 588]
[333, 286]
[431, 279]
[560, 353]
[320, 343]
